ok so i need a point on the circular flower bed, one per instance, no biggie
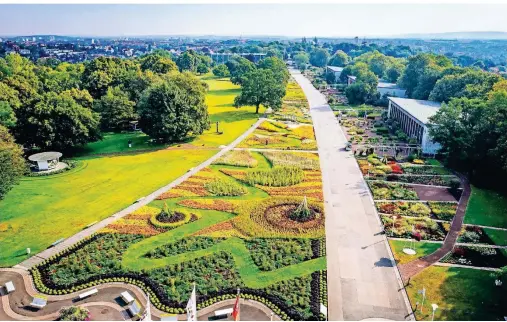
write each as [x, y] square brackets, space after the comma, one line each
[171, 218]
[275, 214]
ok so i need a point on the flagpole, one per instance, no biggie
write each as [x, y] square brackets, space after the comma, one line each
[239, 307]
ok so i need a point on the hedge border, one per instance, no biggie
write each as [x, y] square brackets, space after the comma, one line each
[158, 295]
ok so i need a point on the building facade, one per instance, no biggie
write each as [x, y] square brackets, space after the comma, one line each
[413, 116]
[337, 71]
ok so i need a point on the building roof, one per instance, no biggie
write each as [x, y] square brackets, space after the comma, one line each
[384, 84]
[44, 156]
[352, 77]
[335, 68]
[419, 109]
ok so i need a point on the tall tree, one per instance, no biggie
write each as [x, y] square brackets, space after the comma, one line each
[319, 57]
[301, 59]
[12, 163]
[116, 110]
[470, 83]
[421, 74]
[175, 109]
[221, 71]
[261, 86]
[277, 66]
[158, 64]
[57, 121]
[239, 66]
[7, 116]
[340, 58]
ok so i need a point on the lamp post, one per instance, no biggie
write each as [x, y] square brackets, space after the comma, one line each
[434, 307]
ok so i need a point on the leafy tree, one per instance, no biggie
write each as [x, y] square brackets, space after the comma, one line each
[301, 59]
[394, 72]
[158, 64]
[261, 86]
[340, 58]
[221, 71]
[74, 313]
[330, 78]
[175, 109]
[239, 66]
[469, 83]
[421, 74]
[187, 61]
[56, 121]
[7, 116]
[273, 52]
[357, 93]
[116, 110]
[277, 66]
[202, 69]
[48, 62]
[12, 163]
[104, 72]
[9, 95]
[319, 57]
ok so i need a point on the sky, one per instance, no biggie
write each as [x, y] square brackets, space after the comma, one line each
[323, 20]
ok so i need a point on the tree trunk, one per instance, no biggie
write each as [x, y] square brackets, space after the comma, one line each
[257, 108]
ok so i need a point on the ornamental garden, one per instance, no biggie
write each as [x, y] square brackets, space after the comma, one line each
[253, 219]
[417, 199]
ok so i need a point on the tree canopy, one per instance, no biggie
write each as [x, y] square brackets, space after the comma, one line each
[239, 66]
[116, 110]
[319, 57]
[174, 109]
[261, 86]
[301, 59]
[340, 58]
[12, 163]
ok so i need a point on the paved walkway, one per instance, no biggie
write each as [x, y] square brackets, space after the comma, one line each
[12, 308]
[40, 257]
[410, 269]
[363, 281]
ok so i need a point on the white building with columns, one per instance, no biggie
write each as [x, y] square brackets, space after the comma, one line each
[413, 116]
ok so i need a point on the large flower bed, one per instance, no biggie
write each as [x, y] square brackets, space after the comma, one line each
[247, 241]
[277, 135]
[391, 191]
[238, 158]
[435, 209]
[416, 228]
[476, 256]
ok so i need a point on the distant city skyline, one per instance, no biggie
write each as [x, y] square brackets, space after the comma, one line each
[291, 20]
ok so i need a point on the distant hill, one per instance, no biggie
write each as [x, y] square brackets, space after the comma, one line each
[482, 35]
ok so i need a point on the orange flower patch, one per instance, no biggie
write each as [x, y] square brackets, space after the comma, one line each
[236, 174]
[136, 227]
[209, 204]
[223, 229]
[310, 191]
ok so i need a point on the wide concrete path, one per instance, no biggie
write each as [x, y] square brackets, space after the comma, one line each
[363, 281]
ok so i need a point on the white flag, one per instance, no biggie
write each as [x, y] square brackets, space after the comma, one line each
[192, 307]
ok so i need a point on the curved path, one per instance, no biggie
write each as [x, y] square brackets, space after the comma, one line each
[363, 281]
[40, 257]
[105, 305]
[414, 267]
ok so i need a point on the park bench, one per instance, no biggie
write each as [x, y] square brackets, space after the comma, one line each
[39, 302]
[57, 242]
[127, 297]
[9, 287]
[224, 311]
[91, 292]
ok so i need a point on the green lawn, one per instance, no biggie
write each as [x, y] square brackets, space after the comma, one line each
[499, 237]
[487, 208]
[232, 121]
[421, 248]
[460, 293]
[118, 143]
[41, 210]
